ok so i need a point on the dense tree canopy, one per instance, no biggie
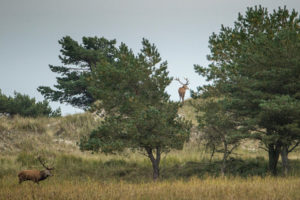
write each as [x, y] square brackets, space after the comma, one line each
[128, 89]
[256, 66]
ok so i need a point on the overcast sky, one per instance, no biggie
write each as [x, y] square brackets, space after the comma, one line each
[30, 30]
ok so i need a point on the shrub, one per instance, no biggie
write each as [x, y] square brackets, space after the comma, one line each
[23, 105]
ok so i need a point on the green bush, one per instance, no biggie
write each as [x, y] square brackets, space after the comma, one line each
[249, 167]
[23, 105]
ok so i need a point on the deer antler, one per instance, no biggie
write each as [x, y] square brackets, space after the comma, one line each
[187, 81]
[43, 163]
[177, 79]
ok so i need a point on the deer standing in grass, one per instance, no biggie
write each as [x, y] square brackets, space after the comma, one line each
[35, 175]
[181, 90]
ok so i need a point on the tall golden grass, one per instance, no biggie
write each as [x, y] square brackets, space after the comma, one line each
[257, 188]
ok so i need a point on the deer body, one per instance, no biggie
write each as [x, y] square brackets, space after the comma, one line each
[33, 175]
[181, 90]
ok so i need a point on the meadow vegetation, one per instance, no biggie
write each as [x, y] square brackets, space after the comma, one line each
[185, 174]
[209, 188]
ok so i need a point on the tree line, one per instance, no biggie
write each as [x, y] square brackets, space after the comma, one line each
[252, 90]
[23, 105]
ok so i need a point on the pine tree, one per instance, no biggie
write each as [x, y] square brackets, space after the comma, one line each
[79, 61]
[128, 89]
[255, 65]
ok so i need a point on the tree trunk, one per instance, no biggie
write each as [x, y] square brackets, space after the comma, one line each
[155, 161]
[285, 159]
[224, 162]
[273, 150]
[223, 167]
[212, 153]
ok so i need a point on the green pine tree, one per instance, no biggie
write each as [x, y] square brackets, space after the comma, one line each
[256, 66]
[79, 61]
[128, 89]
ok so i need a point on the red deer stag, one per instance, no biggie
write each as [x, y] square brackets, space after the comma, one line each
[181, 90]
[35, 175]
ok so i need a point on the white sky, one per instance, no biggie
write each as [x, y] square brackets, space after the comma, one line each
[30, 30]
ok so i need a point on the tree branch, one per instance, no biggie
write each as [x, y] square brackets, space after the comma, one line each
[263, 148]
[78, 69]
[290, 150]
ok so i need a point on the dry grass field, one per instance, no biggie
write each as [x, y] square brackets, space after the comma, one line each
[185, 174]
[208, 188]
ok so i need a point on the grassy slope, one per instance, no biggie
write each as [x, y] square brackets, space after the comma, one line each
[20, 134]
[185, 174]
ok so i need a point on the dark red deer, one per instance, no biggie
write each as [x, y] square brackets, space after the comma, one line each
[35, 175]
[181, 90]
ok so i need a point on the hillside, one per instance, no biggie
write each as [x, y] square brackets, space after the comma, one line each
[59, 134]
